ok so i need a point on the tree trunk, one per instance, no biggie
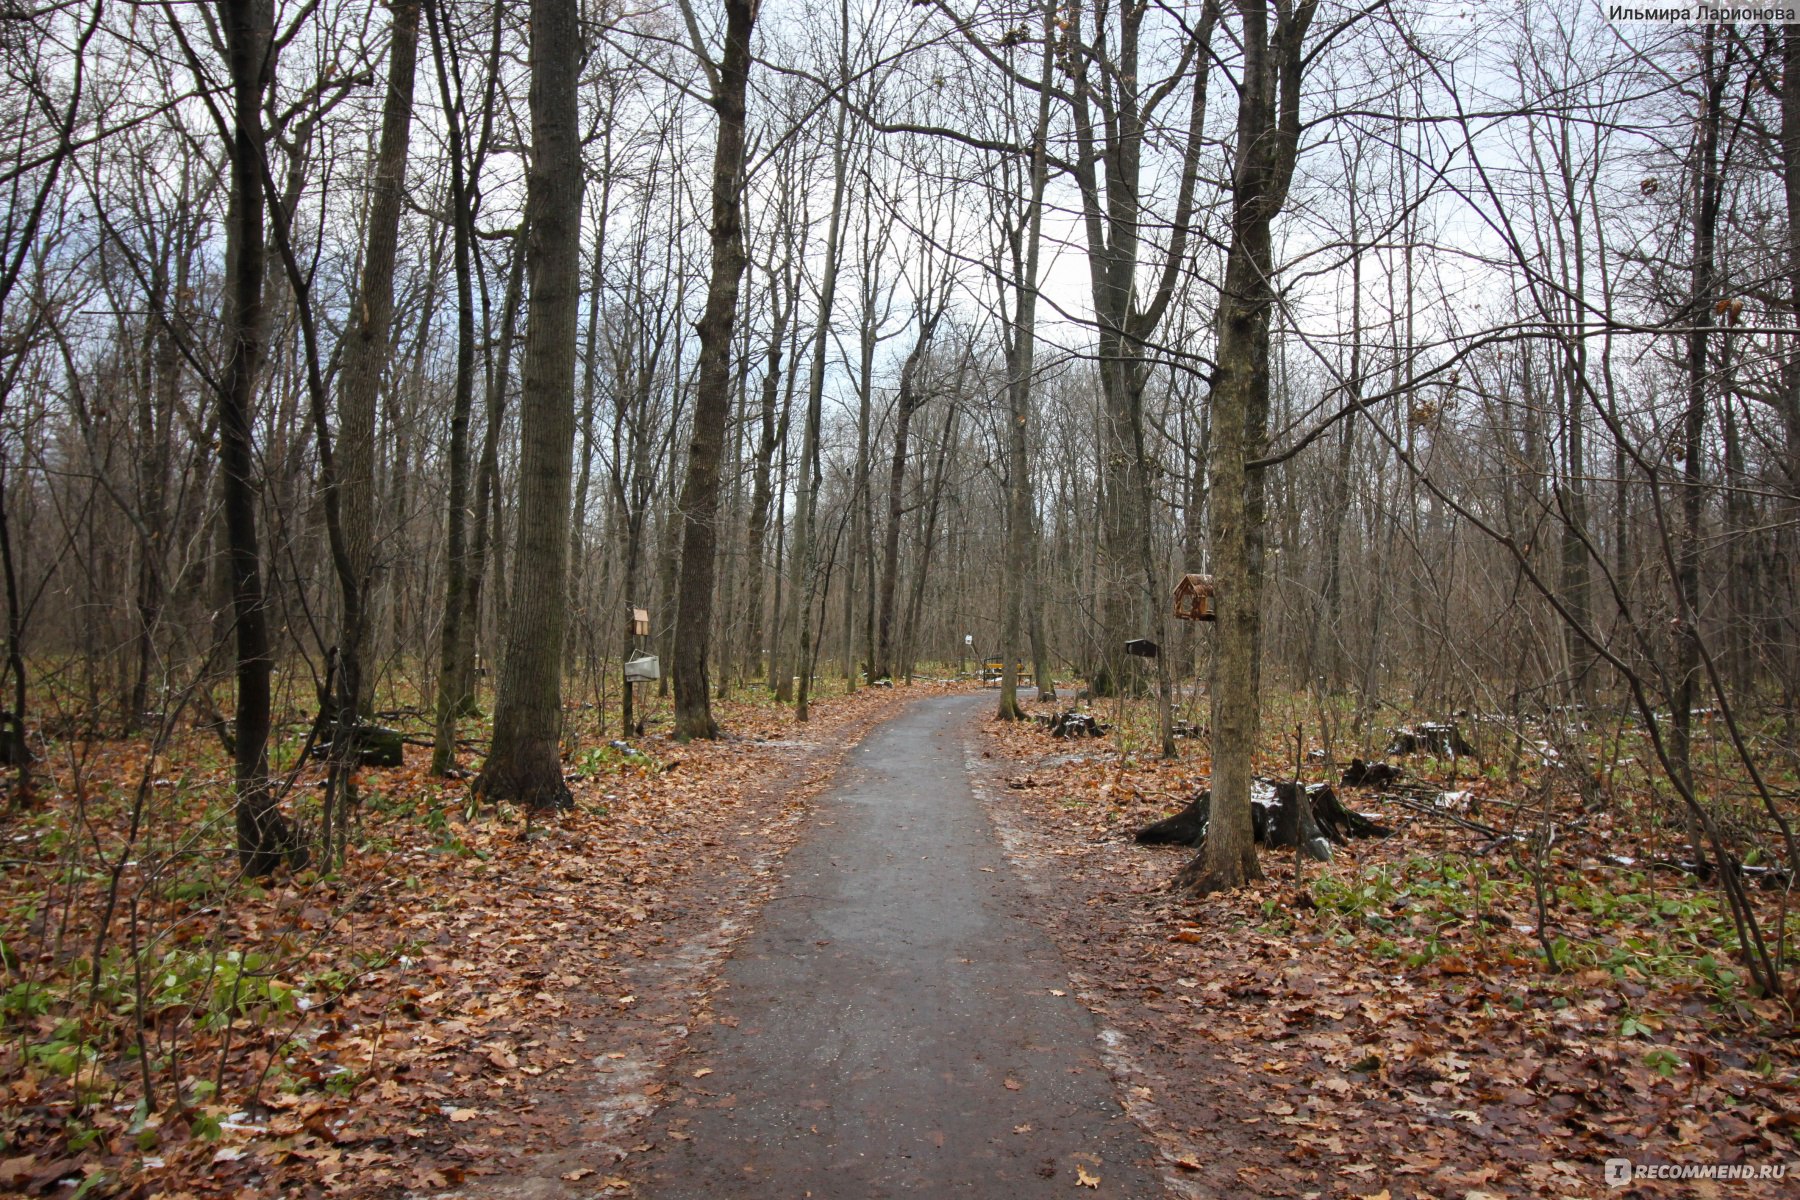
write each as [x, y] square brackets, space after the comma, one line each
[906, 403]
[590, 389]
[805, 554]
[1021, 347]
[452, 687]
[772, 432]
[1267, 144]
[712, 388]
[1788, 539]
[156, 415]
[927, 534]
[14, 750]
[525, 764]
[1110, 158]
[367, 347]
[1334, 665]
[1693, 475]
[486, 531]
[264, 836]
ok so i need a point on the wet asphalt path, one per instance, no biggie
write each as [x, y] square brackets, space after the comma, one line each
[896, 1031]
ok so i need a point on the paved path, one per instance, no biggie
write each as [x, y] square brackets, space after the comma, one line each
[896, 1028]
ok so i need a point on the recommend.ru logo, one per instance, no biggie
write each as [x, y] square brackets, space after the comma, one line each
[1621, 1171]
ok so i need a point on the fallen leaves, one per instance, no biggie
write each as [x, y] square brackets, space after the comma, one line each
[1369, 1037]
[456, 966]
[15, 1171]
[1083, 1179]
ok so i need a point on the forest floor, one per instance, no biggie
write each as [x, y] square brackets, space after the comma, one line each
[473, 999]
[1386, 1026]
[407, 1024]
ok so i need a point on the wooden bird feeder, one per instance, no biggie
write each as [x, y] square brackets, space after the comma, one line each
[1194, 598]
[640, 622]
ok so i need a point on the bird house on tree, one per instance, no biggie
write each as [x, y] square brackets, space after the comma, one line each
[1194, 598]
[640, 622]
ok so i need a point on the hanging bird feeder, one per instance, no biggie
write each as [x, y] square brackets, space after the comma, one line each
[1194, 598]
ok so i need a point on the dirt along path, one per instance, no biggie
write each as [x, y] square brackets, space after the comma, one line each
[896, 1023]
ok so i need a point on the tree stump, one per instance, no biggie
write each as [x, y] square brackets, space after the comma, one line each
[1362, 774]
[1441, 738]
[1185, 828]
[376, 746]
[1291, 822]
[1276, 819]
[1073, 724]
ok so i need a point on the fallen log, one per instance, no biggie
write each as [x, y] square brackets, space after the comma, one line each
[1438, 811]
[1705, 871]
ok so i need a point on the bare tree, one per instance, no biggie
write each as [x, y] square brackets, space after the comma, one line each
[730, 78]
[1022, 238]
[265, 838]
[524, 764]
[366, 351]
[1268, 144]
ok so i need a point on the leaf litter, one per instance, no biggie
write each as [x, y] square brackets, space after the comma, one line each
[470, 1000]
[1366, 1032]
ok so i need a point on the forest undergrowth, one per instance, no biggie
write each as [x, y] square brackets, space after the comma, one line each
[1515, 986]
[169, 1028]
[1491, 1001]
